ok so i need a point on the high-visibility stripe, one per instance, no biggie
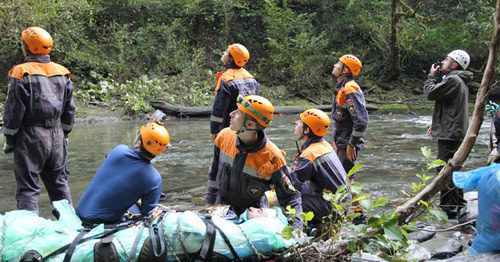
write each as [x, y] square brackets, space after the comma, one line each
[10, 132]
[358, 133]
[323, 159]
[60, 80]
[244, 81]
[216, 119]
[67, 127]
[246, 169]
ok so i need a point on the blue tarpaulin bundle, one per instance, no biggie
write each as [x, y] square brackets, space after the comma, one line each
[487, 182]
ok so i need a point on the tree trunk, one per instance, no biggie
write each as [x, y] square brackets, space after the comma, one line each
[395, 47]
[205, 111]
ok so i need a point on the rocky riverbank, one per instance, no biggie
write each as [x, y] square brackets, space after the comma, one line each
[444, 242]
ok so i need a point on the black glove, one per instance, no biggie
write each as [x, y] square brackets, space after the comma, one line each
[8, 147]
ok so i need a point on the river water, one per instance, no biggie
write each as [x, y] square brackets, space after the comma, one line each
[390, 159]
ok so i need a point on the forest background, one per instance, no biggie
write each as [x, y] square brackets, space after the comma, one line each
[126, 52]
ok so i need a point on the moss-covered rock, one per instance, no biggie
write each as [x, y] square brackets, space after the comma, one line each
[393, 109]
[422, 109]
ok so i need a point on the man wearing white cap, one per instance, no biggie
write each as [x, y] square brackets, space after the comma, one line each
[447, 85]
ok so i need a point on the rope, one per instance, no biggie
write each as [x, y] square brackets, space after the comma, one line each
[122, 245]
[180, 239]
[3, 236]
[259, 255]
[450, 228]
[37, 233]
[172, 250]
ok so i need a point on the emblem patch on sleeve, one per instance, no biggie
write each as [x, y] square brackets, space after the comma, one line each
[350, 106]
[254, 190]
[338, 113]
[287, 185]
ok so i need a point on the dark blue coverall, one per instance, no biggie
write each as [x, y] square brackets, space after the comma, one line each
[317, 169]
[245, 172]
[350, 119]
[39, 114]
[230, 84]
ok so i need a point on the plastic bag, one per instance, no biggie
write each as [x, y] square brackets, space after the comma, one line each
[487, 181]
[469, 180]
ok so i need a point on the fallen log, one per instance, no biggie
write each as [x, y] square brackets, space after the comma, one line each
[205, 111]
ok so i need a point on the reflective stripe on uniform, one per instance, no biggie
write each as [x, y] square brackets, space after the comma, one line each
[67, 127]
[358, 133]
[10, 132]
[246, 169]
[216, 119]
[236, 82]
[226, 158]
[245, 86]
[323, 159]
[57, 80]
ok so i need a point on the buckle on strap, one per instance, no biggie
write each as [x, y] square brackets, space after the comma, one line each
[208, 243]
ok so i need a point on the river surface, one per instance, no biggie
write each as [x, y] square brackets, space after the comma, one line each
[390, 160]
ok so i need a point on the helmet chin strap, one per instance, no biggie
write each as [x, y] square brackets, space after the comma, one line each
[244, 128]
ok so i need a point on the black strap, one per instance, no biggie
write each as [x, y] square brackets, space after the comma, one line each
[208, 243]
[226, 239]
[75, 242]
[101, 235]
[157, 236]
[131, 256]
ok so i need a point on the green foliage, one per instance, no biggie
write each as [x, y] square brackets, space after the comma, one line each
[434, 211]
[287, 232]
[293, 44]
[394, 237]
[390, 244]
[424, 177]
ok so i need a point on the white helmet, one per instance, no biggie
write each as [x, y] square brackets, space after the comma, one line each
[461, 57]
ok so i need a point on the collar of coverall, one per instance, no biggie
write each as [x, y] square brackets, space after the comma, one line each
[311, 140]
[262, 140]
[37, 58]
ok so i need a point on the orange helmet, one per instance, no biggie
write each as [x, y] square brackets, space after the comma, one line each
[155, 137]
[257, 107]
[352, 62]
[38, 40]
[239, 53]
[317, 120]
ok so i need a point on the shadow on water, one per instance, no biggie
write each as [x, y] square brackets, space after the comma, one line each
[390, 159]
